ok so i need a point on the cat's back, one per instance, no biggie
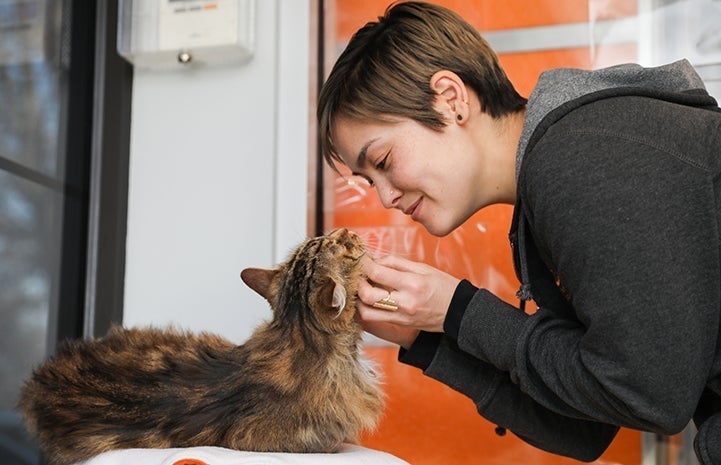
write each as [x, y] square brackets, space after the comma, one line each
[130, 379]
[135, 354]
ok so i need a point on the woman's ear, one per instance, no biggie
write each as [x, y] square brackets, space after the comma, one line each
[451, 96]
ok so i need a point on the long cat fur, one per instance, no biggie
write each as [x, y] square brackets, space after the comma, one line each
[298, 384]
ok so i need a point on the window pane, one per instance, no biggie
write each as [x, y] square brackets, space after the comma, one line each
[30, 214]
[29, 84]
[29, 236]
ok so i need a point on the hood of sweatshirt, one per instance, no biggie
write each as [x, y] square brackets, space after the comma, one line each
[558, 86]
[560, 90]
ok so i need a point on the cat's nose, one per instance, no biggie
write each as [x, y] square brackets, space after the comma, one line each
[340, 232]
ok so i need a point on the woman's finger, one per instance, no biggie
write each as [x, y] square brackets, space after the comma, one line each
[415, 296]
[369, 294]
[383, 276]
[401, 264]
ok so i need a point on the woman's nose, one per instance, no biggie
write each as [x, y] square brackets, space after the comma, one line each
[388, 195]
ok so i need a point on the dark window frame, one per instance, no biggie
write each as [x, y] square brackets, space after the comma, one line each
[97, 146]
[110, 154]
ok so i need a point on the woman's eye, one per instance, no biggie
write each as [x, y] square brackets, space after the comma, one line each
[382, 164]
[366, 179]
[360, 178]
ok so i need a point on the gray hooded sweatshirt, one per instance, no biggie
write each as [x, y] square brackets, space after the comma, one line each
[616, 239]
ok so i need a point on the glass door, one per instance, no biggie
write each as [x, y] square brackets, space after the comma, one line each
[45, 127]
[31, 198]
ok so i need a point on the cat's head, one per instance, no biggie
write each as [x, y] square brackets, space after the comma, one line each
[316, 286]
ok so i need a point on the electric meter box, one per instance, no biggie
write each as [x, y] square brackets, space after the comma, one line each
[172, 33]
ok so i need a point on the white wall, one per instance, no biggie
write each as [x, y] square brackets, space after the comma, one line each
[218, 179]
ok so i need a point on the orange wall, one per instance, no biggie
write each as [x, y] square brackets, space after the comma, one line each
[490, 15]
[426, 422]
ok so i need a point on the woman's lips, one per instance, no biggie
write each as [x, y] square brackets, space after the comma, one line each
[414, 209]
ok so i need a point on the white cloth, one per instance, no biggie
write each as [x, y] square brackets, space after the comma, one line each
[348, 455]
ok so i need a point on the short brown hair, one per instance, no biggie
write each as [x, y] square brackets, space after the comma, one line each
[387, 66]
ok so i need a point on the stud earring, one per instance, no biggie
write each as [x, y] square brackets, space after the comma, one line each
[459, 117]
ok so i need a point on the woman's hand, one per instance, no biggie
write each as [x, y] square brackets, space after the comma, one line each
[421, 292]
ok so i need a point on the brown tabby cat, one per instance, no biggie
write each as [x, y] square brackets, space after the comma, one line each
[297, 385]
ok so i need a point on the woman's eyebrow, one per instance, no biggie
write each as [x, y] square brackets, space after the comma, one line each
[361, 159]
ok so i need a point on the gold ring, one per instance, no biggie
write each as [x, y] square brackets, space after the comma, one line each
[386, 303]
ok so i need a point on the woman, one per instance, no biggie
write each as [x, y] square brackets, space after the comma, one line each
[615, 175]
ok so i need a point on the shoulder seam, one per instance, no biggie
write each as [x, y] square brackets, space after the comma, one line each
[643, 141]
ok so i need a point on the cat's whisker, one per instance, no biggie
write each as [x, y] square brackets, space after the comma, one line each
[405, 254]
[375, 245]
[378, 251]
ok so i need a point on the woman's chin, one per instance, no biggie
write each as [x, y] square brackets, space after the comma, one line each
[441, 227]
[438, 229]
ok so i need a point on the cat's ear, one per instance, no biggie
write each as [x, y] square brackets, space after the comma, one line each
[259, 280]
[333, 295]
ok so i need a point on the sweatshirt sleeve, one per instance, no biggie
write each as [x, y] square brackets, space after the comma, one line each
[629, 227]
[496, 397]
[502, 402]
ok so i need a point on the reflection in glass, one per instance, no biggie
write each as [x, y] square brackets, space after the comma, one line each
[27, 238]
[31, 173]
[30, 42]
[29, 233]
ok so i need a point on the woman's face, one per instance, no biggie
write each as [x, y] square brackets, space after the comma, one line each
[433, 176]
